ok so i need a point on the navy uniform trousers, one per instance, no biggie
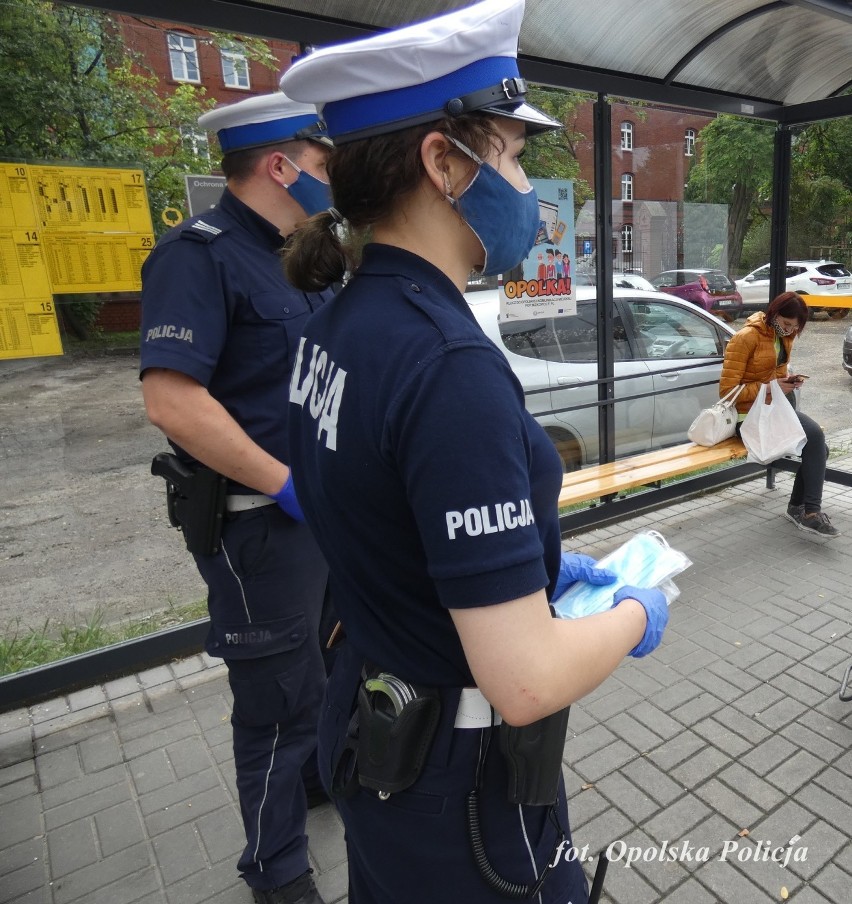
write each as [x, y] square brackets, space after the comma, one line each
[267, 597]
[414, 847]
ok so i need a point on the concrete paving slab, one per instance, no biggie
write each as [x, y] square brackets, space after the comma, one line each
[716, 751]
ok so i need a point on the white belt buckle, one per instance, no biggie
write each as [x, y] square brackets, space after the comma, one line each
[474, 710]
[242, 503]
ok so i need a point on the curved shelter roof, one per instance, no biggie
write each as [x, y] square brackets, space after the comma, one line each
[785, 60]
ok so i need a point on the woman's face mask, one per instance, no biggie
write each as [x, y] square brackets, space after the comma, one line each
[312, 194]
[784, 326]
[503, 218]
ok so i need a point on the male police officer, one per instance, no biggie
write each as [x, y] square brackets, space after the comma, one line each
[220, 327]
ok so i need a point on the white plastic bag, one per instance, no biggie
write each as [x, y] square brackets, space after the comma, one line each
[645, 560]
[774, 430]
[716, 423]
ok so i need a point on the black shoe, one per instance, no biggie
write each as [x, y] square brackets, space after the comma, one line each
[794, 513]
[815, 522]
[299, 891]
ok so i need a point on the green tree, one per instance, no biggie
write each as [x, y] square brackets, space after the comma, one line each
[553, 155]
[74, 93]
[734, 168]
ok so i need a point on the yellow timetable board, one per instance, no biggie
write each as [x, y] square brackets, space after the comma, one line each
[16, 200]
[28, 329]
[89, 199]
[65, 230]
[95, 263]
[23, 271]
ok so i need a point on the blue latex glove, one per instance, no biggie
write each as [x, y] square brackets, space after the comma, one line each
[656, 611]
[286, 499]
[576, 567]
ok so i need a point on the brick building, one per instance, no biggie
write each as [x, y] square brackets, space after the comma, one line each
[180, 54]
[653, 151]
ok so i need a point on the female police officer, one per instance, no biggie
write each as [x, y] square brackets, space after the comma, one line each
[430, 489]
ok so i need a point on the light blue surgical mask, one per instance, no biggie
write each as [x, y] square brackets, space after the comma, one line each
[645, 560]
[312, 194]
[503, 218]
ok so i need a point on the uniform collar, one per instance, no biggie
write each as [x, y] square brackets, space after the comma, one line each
[252, 221]
[387, 260]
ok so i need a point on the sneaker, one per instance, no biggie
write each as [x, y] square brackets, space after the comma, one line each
[794, 513]
[815, 522]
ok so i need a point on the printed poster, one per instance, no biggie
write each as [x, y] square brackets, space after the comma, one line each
[542, 285]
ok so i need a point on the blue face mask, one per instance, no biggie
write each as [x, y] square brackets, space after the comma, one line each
[312, 194]
[504, 219]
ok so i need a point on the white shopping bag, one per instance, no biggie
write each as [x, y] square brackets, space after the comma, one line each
[772, 430]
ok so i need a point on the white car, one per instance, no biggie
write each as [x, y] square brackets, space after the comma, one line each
[620, 280]
[820, 277]
[631, 281]
[668, 359]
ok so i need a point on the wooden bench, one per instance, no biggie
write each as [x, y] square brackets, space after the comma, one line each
[605, 482]
[599, 481]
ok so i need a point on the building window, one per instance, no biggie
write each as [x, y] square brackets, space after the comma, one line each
[235, 67]
[627, 187]
[183, 56]
[689, 143]
[195, 142]
[627, 240]
[627, 136]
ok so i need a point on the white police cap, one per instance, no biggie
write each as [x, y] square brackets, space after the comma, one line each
[456, 63]
[265, 119]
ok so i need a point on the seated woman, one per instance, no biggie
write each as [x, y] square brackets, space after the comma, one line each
[758, 353]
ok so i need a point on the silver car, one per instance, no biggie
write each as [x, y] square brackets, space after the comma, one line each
[668, 358]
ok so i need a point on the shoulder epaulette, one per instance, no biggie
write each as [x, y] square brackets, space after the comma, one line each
[202, 230]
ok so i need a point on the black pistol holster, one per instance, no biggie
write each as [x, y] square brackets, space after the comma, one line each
[195, 497]
[397, 723]
[533, 755]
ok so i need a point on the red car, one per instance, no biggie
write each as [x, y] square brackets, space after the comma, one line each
[710, 290]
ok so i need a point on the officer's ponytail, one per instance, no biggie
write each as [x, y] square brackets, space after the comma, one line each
[315, 257]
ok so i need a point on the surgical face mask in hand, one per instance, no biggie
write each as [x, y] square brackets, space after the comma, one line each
[645, 560]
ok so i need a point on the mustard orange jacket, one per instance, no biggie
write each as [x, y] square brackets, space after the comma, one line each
[750, 359]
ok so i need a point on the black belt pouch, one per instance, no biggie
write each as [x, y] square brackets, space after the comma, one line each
[392, 747]
[533, 754]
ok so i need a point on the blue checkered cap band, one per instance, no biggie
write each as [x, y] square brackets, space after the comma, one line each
[456, 63]
[265, 119]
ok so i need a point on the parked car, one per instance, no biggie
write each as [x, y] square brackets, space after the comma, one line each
[620, 280]
[847, 351]
[711, 290]
[668, 359]
[805, 277]
[632, 281]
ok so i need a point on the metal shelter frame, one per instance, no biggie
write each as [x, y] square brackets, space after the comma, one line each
[739, 58]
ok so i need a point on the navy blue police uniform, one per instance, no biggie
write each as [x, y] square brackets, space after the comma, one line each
[385, 373]
[217, 307]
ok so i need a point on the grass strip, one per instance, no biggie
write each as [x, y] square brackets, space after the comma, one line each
[25, 648]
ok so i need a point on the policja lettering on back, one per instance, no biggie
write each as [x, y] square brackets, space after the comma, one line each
[324, 402]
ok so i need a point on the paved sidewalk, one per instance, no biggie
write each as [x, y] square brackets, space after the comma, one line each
[701, 760]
